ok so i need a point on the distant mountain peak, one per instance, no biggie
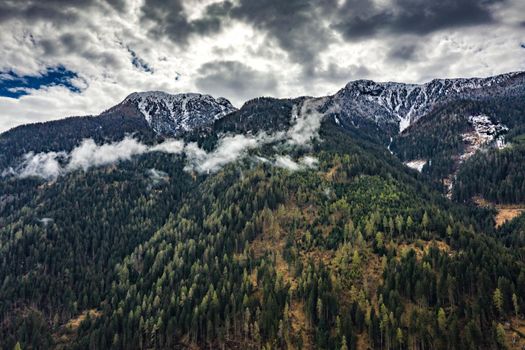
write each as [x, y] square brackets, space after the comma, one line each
[175, 113]
[403, 104]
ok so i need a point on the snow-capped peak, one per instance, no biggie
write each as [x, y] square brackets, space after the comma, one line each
[172, 114]
[403, 104]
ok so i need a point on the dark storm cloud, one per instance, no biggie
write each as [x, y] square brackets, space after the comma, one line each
[411, 16]
[73, 42]
[337, 74]
[305, 28]
[233, 78]
[296, 25]
[56, 11]
[168, 18]
[402, 52]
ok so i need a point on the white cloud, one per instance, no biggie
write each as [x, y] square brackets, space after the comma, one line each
[169, 146]
[306, 121]
[85, 156]
[45, 165]
[228, 150]
[89, 154]
[286, 162]
[157, 176]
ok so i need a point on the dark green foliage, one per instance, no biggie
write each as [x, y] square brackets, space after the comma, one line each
[438, 139]
[361, 246]
[65, 134]
[496, 175]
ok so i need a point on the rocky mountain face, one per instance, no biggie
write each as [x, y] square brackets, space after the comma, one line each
[400, 105]
[173, 114]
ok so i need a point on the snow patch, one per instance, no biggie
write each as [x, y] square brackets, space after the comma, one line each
[417, 164]
[485, 132]
[171, 114]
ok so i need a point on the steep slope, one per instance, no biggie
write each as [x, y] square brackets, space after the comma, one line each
[445, 139]
[351, 252]
[285, 224]
[170, 114]
[144, 114]
[397, 106]
[355, 249]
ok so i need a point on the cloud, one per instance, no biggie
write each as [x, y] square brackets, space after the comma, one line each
[57, 11]
[296, 25]
[403, 52]
[157, 177]
[85, 156]
[232, 78]
[411, 16]
[286, 162]
[310, 162]
[89, 154]
[169, 146]
[229, 149]
[306, 121]
[44, 165]
[169, 18]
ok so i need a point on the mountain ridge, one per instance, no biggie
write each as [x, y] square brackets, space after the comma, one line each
[404, 104]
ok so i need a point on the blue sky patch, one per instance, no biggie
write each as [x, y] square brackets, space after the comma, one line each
[14, 86]
[139, 63]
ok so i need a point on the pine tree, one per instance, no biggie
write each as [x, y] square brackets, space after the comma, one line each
[497, 298]
[399, 337]
[442, 320]
[500, 336]
[425, 221]
[515, 304]
[343, 344]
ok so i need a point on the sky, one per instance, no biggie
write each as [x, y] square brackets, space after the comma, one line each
[61, 58]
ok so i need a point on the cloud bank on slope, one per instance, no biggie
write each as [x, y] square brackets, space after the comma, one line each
[85, 156]
[306, 123]
[286, 162]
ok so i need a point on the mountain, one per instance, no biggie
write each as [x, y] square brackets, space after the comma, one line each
[400, 105]
[145, 114]
[172, 114]
[285, 224]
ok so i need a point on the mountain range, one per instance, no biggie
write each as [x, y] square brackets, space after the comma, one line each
[385, 216]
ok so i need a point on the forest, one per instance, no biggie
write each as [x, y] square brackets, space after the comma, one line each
[360, 252]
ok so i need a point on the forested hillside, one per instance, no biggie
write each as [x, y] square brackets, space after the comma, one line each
[355, 253]
[286, 224]
[441, 138]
